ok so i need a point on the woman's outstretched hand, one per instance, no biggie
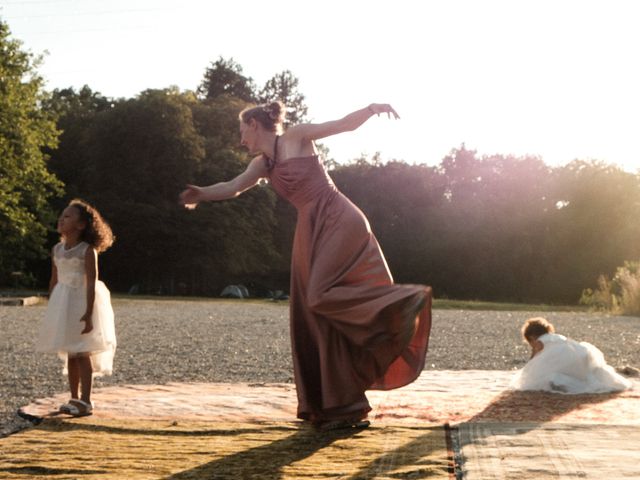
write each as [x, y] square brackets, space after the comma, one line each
[191, 196]
[378, 108]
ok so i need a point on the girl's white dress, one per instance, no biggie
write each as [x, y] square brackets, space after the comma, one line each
[61, 326]
[567, 366]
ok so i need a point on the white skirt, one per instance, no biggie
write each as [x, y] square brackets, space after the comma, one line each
[61, 327]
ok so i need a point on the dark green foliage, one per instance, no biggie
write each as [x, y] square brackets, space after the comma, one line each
[26, 186]
[70, 159]
[496, 227]
[132, 159]
[499, 227]
[284, 87]
[225, 77]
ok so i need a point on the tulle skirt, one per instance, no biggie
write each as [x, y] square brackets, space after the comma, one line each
[60, 329]
[569, 367]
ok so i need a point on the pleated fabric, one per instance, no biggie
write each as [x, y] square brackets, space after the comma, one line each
[60, 329]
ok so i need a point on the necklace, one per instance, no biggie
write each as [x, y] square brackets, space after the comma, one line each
[275, 149]
[271, 161]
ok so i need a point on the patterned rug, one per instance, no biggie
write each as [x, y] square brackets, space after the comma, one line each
[436, 397]
[456, 397]
[249, 431]
[505, 451]
[91, 448]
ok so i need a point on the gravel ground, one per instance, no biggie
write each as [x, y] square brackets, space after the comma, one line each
[163, 341]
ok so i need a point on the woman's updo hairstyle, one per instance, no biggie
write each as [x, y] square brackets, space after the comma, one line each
[270, 115]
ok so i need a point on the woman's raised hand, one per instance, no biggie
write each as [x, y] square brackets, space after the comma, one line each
[378, 108]
[191, 196]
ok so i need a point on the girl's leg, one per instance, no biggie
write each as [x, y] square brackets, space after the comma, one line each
[86, 377]
[73, 369]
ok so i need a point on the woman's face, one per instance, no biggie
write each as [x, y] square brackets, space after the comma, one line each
[248, 135]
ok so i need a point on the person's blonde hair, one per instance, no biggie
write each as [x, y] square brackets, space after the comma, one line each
[270, 115]
[536, 327]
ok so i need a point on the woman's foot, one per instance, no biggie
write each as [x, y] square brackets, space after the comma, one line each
[343, 424]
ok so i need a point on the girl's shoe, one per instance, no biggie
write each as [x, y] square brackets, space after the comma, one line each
[77, 408]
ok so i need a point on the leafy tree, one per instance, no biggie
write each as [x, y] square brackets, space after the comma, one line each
[139, 155]
[239, 243]
[76, 112]
[25, 184]
[596, 222]
[493, 225]
[225, 77]
[133, 157]
[83, 104]
[284, 87]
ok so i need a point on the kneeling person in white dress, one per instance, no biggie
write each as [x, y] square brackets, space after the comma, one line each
[79, 324]
[559, 364]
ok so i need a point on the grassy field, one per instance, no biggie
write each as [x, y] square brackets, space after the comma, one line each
[504, 307]
[442, 304]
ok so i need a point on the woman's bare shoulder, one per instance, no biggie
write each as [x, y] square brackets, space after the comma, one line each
[294, 143]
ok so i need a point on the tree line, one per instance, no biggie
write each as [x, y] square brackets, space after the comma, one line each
[494, 227]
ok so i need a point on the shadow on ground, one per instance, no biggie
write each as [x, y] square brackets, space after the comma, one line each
[181, 450]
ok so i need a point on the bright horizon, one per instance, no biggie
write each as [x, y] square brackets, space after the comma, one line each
[556, 79]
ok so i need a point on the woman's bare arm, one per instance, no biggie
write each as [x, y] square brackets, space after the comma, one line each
[350, 122]
[226, 190]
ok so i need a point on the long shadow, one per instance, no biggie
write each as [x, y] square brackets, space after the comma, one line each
[41, 471]
[266, 461]
[530, 409]
[535, 407]
[69, 426]
[515, 413]
[418, 454]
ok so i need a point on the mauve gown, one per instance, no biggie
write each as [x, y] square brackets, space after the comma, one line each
[349, 332]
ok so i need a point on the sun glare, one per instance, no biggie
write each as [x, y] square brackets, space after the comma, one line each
[552, 79]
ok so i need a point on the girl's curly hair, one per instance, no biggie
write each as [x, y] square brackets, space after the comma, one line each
[536, 327]
[97, 233]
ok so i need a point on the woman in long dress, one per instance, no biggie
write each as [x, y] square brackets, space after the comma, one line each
[352, 328]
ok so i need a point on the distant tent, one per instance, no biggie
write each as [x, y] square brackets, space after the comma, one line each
[235, 291]
[244, 290]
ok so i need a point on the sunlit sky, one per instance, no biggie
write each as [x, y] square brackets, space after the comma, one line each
[554, 78]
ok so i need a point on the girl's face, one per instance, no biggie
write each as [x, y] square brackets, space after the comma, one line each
[69, 222]
[536, 345]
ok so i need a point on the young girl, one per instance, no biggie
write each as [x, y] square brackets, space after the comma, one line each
[78, 324]
[562, 365]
